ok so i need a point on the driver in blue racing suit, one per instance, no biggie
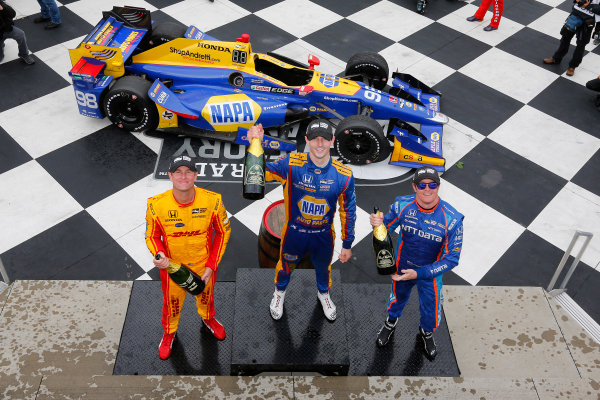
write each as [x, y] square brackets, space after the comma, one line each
[312, 184]
[429, 244]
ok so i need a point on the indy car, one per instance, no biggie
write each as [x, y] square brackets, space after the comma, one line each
[180, 80]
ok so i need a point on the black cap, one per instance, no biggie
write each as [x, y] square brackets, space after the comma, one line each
[426, 173]
[319, 127]
[184, 161]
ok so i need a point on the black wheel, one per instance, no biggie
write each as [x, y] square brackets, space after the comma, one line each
[166, 31]
[128, 105]
[360, 140]
[369, 67]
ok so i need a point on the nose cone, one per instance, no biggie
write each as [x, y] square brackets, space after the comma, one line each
[439, 118]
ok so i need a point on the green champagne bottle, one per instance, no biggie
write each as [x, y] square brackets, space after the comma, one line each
[254, 171]
[186, 279]
[384, 249]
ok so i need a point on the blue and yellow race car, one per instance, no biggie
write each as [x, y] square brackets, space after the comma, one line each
[172, 79]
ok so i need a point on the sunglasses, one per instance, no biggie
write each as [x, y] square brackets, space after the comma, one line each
[423, 185]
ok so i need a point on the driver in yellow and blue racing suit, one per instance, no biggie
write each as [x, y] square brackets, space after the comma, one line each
[312, 185]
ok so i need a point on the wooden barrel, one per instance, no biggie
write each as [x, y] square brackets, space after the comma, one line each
[269, 237]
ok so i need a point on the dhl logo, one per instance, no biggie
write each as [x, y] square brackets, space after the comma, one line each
[312, 208]
[230, 111]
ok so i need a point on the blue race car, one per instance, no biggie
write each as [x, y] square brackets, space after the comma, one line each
[179, 80]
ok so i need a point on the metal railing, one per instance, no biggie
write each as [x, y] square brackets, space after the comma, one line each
[3, 285]
[553, 292]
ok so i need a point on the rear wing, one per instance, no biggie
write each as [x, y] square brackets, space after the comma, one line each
[114, 38]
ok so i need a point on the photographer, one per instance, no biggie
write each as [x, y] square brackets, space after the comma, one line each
[580, 23]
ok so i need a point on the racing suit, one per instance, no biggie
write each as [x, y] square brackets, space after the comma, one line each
[429, 242]
[184, 233]
[497, 9]
[310, 195]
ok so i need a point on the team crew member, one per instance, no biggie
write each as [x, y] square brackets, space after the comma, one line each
[312, 184]
[188, 225]
[497, 8]
[429, 244]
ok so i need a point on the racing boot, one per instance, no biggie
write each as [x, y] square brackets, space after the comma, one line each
[328, 306]
[166, 345]
[421, 5]
[277, 304]
[215, 328]
[428, 344]
[385, 333]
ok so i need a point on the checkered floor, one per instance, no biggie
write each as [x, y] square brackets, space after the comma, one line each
[73, 189]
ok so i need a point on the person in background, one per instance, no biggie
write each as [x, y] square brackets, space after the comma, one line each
[8, 30]
[580, 24]
[50, 14]
[497, 8]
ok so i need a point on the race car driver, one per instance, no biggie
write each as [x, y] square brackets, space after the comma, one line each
[312, 184]
[188, 225]
[429, 244]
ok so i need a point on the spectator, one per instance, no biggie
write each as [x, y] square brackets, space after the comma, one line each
[50, 14]
[9, 31]
[580, 24]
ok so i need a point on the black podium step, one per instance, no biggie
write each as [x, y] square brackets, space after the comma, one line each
[365, 312]
[196, 352]
[302, 340]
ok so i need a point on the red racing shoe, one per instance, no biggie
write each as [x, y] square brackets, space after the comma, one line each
[166, 345]
[215, 328]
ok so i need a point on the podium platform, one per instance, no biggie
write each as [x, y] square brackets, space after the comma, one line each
[196, 351]
[301, 341]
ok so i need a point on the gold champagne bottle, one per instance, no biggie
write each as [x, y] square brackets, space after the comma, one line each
[186, 279]
[254, 171]
[384, 249]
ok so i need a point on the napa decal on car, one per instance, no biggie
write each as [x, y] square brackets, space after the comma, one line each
[334, 85]
[228, 112]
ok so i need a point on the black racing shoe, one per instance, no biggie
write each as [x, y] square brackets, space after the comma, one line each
[386, 332]
[421, 5]
[428, 344]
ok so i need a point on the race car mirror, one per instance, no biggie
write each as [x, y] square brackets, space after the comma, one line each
[304, 90]
[244, 39]
[312, 61]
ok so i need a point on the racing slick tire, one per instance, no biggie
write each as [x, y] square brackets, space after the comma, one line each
[128, 105]
[371, 66]
[165, 32]
[360, 140]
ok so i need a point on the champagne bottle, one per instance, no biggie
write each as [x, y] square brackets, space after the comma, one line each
[254, 171]
[186, 279]
[384, 249]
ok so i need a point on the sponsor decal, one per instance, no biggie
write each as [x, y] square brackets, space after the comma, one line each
[290, 257]
[307, 179]
[167, 115]
[393, 99]
[186, 233]
[420, 233]
[329, 81]
[435, 136]
[180, 224]
[173, 214]
[412, 213]
[231, 112]
[317, 171]
[195, 211]
[261, 88]
[350, 100]
[313, 108]
[274, 145]
[126, 45]
[162, 98]
[191, 54]
[312, 210]
[210, 46]
[324, 188]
